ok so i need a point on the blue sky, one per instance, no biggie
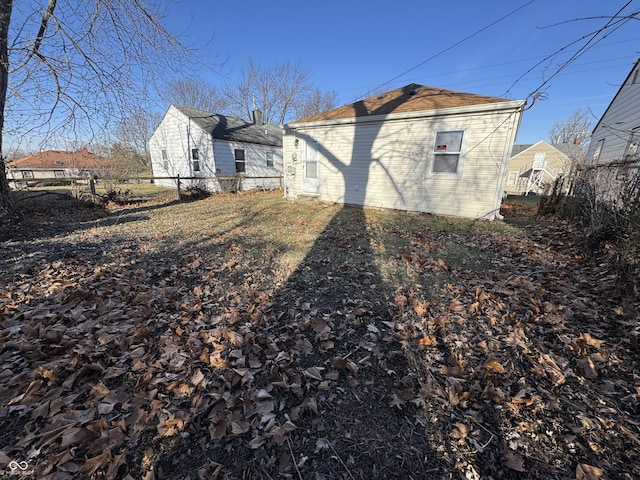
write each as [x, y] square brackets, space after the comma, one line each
[351, 47]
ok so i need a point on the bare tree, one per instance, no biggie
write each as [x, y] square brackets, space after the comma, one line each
[133, 132]
[317, 102]
[573, 130]
[194, 93]
[280, 91]
[71, 68]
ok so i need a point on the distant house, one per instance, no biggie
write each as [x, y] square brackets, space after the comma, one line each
[193, 143]
[58, 164]
[615, 140]
[416, 148]
[534, 167]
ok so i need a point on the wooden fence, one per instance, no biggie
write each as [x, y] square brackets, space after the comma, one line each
[228, 183]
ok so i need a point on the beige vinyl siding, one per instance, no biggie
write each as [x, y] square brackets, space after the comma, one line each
[556, 162]
[388, 163]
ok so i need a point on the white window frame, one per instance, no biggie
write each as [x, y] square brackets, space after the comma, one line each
[242, 161]
[513, 174]
[632, 149]
[442, 150]
[270, 159]
[165, 158]
[598, 150]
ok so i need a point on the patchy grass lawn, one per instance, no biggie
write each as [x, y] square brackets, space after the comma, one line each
[243, 336]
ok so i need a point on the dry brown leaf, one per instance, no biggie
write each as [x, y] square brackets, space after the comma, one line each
[428, 341]
[93, 464]
[339, 363]
[588, 368]
[551, 367]
[460, 432]
[513, 461]
[314, 373]
[588, 472]
[495, 365]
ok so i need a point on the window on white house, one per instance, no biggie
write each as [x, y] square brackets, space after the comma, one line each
[241, 166]
[58, 173]
[512, 179]
[194, 154]
[196, 165]
[165, 160]
[598, 150]
[27, 174]
[633, 146]
[269, 159]
[447, 150]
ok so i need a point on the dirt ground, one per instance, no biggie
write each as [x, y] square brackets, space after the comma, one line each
[401, 346]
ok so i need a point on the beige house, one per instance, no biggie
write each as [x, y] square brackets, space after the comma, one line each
[532, 168]
[61, 164]
[416, 148]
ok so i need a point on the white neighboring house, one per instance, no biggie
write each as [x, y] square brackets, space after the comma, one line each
[193, 143]
[416, 148]
[615, 139]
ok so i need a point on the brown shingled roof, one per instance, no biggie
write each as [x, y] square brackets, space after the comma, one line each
[57, 159]
[410, 98]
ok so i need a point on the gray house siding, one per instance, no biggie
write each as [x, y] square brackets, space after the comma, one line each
[611, 135]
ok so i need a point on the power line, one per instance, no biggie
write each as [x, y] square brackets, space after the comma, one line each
[611, 22]
[441, 52]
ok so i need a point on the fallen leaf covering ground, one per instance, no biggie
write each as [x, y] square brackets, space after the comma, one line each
[244, 337]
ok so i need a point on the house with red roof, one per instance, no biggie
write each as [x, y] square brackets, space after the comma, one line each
[416, 148]
[58, 164]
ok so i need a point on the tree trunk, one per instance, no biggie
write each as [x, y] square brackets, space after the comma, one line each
[6, 6]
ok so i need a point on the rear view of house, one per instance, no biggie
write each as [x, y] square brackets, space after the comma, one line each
[192, 144]
[416, 148]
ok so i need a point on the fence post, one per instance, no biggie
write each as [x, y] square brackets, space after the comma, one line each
[179, 191]
[92, 187]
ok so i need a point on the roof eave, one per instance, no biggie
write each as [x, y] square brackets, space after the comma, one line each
[478, 108]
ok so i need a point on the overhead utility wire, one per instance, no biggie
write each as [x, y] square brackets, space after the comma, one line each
[591, 38]
[441, 52]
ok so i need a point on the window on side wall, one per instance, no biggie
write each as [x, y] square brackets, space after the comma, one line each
[512, 179]
[269, 159]
[447, 151]
[598, 150]
[196, 165]
[27, 174]
[58, 173]
[240, 160]
[194, 154]
[633, 146]
[165, 159]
